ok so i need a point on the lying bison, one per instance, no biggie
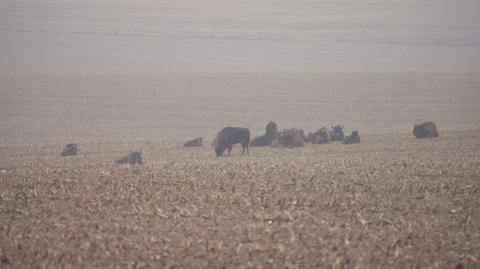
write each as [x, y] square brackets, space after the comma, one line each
[69, 150]
[336, 134]
[197, 142]
[352, 139]
[230, 136]
[321, 136]
[290, 138]
[271, 134]
[425, 130]
[132, 158]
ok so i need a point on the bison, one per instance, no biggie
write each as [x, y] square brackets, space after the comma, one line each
[132, 158]
[336, 134]
[270, 135]
[352, 139]
[230, 136]
[69, 150]
[197, 142]
[321, 136]
[425, 130]
[290, 138]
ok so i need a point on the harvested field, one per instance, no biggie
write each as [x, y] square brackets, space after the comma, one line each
[120, 76]
[390, 202]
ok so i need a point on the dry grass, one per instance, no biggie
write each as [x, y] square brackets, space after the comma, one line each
[392, 201]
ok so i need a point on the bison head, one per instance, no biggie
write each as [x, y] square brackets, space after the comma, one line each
[219, 151]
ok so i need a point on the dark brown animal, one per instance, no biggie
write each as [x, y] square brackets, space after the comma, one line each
[336, 134]
[290, 138]
[270, 135]
[321, 136]
[131, 158]
[352, 139]
[197, 142]
[69, 150]
[230, 136]
[425, 130]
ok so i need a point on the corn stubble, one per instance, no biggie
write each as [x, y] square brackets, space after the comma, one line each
[390, 202]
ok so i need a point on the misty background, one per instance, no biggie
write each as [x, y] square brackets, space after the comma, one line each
[87, 70]
[239, 36]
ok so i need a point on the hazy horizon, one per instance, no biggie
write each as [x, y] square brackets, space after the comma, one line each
[78, 107]
[239, 36]
[299, 57]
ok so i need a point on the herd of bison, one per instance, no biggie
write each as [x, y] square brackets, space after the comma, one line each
[293, 137]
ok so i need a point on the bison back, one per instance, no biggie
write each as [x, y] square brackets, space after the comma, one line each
[233, 135]
[425, 130]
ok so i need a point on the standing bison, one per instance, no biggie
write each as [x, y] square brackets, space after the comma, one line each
[425, 130]
[230, 136]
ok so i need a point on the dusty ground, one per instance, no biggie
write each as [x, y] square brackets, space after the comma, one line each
[392, 201]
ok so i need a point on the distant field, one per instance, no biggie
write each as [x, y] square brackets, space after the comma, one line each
[64, 108]
[390, 202]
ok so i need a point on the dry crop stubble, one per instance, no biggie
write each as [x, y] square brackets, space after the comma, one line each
[388, 202]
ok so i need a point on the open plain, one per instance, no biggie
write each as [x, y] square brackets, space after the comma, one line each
[392, 201]
[116, 76]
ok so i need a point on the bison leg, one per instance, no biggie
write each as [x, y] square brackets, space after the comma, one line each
[230, 150]
[245, 146]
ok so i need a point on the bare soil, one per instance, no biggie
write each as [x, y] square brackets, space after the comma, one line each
[392, 201]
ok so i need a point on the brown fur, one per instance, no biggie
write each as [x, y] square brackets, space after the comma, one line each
[354, 138]
[197, 142]
[321, 136]
[132, 158]
[290, 138]
[230, 136]
[336, 134]
[70, 150]
[425, 130]
[270, 135]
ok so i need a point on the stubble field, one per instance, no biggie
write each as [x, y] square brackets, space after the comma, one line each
[391, 201]
[117, 76]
